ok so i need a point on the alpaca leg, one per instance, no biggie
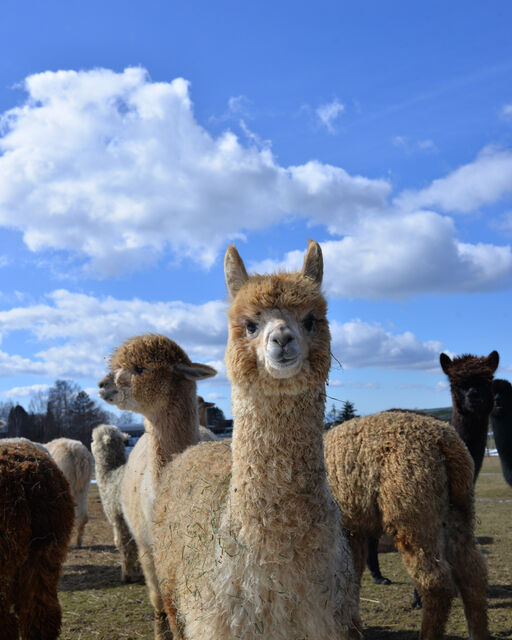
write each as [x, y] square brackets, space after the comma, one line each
[372, 562]
[130, 570]
[162, 628]
[81, 517]
[432, 576]
[470, 574]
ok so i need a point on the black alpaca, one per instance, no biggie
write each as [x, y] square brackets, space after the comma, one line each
[473, 399]
[501, 420]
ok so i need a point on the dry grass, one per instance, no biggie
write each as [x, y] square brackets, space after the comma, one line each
[96, 606]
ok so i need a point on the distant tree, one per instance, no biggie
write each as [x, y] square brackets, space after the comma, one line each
[60, 400]
[85, 415]
[5, 409]
[38, 402]
[126, 417]
[215, 415]
[348, 412]
[332, 417]
[18, 423]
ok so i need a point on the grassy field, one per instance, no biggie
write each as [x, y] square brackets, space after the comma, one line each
[96, 606]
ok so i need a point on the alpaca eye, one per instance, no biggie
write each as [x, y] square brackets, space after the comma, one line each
[309, 322]
[138, 370]
[251, 327]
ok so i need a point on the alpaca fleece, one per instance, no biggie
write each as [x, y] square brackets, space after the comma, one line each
[108, 447]
[501, 420]
[411, 476]
[472, 398]
[36, 520]
[248, 540]
[153, 376]
[76, 463]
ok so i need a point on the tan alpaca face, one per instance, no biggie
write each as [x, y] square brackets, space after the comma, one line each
[145, 371]
[277, 327]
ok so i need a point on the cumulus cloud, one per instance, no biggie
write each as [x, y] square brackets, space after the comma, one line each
[425, 146]
[77, 332]
[507, 111]
[405, 254]
[328, 113]
[358, 344]
[479, 183]
[115, 168]
[26, 392]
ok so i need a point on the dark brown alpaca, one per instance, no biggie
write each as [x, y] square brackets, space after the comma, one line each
[36, 519]
[501, 420]
[472, 398]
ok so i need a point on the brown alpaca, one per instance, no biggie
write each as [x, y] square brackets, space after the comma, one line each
[472, 398]
[203, 410]
[248, 540]
[36, 520]
[153, 376]
[410, 476]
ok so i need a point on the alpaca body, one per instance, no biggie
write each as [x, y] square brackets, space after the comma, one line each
[501, 420]
[248, 540]
[36, 520]
[153, 376]
[410, 476]
[472, 399]
[76, 463]
[108, 447]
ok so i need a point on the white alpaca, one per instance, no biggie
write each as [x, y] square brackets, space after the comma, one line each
[153, 376]
[76, 463]
[108, 448]
[248, 540]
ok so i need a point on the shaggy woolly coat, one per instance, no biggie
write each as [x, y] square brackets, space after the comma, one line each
[501, 420]
[472, 399]
[247, 540]
[76, 463]
[410, 476]
[108, 447]
[36, 520]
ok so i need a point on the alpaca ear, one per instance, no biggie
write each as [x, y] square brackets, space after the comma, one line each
[313, 267]
[234, 271]
[493, 359]
[126, 436]
[195, 371]
[446, 362]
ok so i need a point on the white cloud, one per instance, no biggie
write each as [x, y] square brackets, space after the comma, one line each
[77, 332]
[507, 111]
[328, 113]
[115, 168]
[426, 146]
[25, 392]
[358, 344]
[402, 255]
[479, 183]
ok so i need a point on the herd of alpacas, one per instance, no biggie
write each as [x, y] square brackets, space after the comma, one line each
[265, 535]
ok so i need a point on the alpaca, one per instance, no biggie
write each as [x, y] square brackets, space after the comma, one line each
[36, 520]
[153, 376]
[501, 420]
[76, 463]
[203, 410]
[19, 439]
[108, 448]
[411, 476]
[472, 398]
[248, 540]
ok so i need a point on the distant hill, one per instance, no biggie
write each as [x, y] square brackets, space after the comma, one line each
[443, 413]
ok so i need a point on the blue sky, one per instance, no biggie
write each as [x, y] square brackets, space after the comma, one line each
[139, 139]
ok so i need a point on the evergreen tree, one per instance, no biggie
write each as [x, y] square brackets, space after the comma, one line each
[348, 412]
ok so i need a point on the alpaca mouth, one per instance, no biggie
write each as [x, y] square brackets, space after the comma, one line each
[282, 367]
[108, 395]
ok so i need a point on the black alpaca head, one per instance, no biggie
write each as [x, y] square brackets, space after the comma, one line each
[471, 382]
[502, 398]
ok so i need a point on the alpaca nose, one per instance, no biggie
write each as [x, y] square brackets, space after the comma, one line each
[281, 336]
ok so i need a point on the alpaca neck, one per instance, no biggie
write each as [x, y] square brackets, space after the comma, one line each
[172, 428]
[472, 428]
[278, 487]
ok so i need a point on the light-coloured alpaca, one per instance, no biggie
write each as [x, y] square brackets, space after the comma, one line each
[76, 463]
[410, 475]
[108, 448]
[248, 541]
[153, 376]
